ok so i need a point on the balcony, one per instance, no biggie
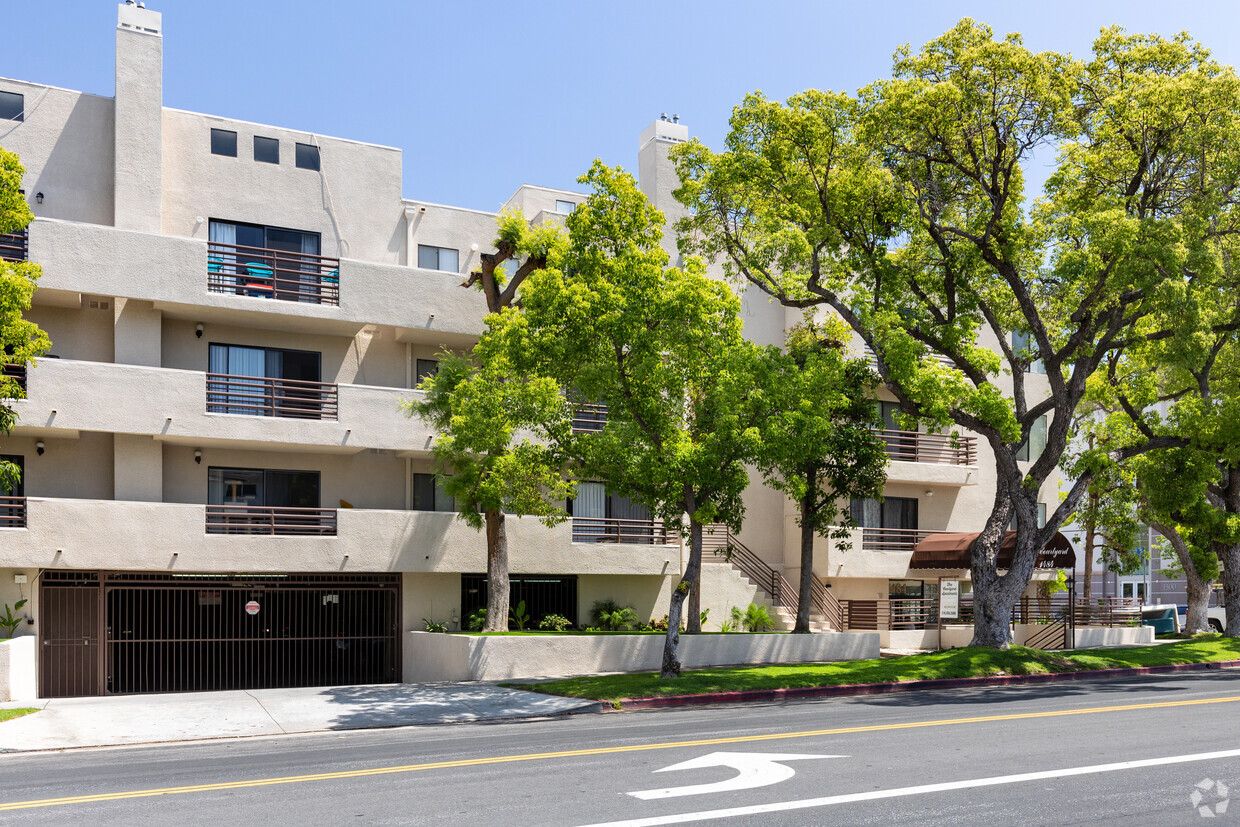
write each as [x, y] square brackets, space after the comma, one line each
[272, 274]
[264, 396]
[943, 449]
[271, 520]
[893, 539]
[12, 512]
[15, 246]
[17, 373]
[589, 418]
[607, 530]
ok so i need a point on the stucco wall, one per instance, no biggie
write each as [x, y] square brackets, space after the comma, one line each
[18, 669]
[435, 657]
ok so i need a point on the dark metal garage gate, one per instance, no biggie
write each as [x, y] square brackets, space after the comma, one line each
[200, 632]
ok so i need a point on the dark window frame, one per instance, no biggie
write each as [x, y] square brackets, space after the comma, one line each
[20, 110]
[224, 135]
[272, 144]
[438, 251]
[307, 156]
[424, 368]
[264, 472]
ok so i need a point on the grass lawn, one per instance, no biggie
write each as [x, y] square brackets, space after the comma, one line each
[10, 714]
[954, 663]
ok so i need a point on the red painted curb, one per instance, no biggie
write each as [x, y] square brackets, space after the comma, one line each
[911, 686]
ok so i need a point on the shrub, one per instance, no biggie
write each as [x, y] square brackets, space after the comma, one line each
[8, 621]
[519, 616]
[757, 619]
[477, 619]
[619, 620]
[433, 626]
[600, 608]
[554, 623]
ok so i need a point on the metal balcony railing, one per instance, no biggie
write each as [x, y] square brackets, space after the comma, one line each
[894, 614]
[608, 530]
[16, 373]
[271, 520]
[912, 446]
[15, 246]
[264, 396]
[12, 512]
[589, 418]
[892, 539]
[272, 274]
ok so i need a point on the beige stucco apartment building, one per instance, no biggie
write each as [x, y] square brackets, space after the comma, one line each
[219, 487]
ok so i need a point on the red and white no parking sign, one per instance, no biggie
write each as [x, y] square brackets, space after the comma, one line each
[251, 608]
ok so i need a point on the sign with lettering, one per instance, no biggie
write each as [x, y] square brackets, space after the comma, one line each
[949, 600]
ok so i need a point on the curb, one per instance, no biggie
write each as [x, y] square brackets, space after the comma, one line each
[909, 686]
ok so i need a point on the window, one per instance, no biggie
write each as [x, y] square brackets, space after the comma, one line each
[425, 368]
[223, 142]
[892, 512]
[12, 106]
[604, 516]
[1033, 447]
[1022, 343]
[429, 494]
[564, 206]
[1041, 518]
[262, 487]
[19, 488]
[267, 262]
[307, 156]
[266, 150]
[439, 258]
[240, 383]
[509, 268]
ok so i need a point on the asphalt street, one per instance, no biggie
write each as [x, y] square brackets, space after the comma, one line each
[1133, 751]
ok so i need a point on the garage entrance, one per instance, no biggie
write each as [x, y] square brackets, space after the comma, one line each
[203, 632]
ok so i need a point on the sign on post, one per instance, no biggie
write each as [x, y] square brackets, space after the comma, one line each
[949, 599]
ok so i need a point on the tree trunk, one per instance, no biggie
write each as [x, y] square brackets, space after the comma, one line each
[693, 619]
[671, 661]
[1196, 619]
[497, 572]
[1090, 539]
[1229, 557]
[995, 596]
[805, 592]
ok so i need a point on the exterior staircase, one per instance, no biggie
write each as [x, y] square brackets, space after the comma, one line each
[782, 599]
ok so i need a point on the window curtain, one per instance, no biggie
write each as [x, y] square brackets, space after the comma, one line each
[223, 232]
[899, 512]
[867, 513]
[443, 500]
[249, 396]
[215, 486]
[591, 500]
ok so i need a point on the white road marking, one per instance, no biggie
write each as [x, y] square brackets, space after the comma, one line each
[804, 804]
[755, 769]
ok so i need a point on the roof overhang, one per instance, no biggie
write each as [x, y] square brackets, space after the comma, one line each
[951, 550]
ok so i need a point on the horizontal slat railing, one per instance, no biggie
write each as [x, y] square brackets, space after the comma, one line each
[895, 614]
[270, 520]
[12, 512]
[589, 418]
[272, 274]
[264, 396]
[913, 446]
[826, 604]
[892, 539]
[607, 530]
[1110, 611]
[16, 373]
[717, 539]
[15, 246]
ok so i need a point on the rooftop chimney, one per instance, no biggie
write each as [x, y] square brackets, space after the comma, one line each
[138, 129]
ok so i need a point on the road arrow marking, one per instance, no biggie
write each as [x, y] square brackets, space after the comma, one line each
[756, 769]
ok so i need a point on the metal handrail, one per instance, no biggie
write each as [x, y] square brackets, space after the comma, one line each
[609, 530]
[260, 272]
[589, 417]
[893, 614]
[15, 246]
[893, 539]
[718, 539]
[270, 396]
[12, 512]
[270, 520]
[827, 604]
[914, 446]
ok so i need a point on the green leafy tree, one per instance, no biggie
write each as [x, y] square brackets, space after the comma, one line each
[22, 340]
[902, 210]
[492, 468]
[519, 251]
[662, 347]
[819, 445]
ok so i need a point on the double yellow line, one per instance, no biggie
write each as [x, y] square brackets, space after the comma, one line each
[576, 753]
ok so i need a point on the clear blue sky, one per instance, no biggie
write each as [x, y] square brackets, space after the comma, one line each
[484, 96]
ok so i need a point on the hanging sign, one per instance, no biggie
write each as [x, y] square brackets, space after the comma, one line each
[949, 599]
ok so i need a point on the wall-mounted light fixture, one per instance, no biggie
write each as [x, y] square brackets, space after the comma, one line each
[198, 455]
[39, 447]
[38, 198]
[198, 330]
[474, 246]
[929, 493]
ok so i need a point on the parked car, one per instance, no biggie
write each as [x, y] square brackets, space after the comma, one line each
[1215, 611]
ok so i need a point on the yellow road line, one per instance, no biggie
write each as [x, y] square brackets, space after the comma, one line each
[539, 756]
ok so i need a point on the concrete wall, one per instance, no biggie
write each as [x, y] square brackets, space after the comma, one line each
[18, 669]
[436, 657]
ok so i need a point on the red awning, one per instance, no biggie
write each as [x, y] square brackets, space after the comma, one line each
[950, 550]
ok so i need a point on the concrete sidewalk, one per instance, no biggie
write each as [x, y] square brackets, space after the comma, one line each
[64, 723]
